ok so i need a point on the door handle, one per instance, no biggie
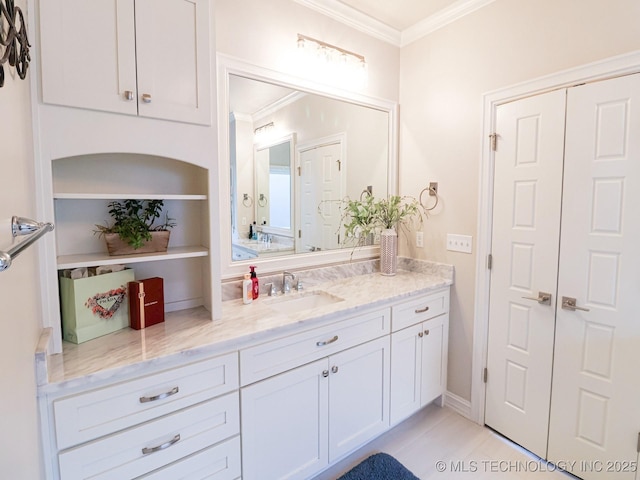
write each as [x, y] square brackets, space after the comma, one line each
[543, 298]
[569, 303]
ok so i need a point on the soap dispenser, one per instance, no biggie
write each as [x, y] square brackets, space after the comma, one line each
[247, 289]
[255, 283]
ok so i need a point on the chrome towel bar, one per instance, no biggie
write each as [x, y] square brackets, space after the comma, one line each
[21, 226]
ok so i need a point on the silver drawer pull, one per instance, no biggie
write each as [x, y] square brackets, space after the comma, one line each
[155, 398]
[327, 342]
[173, 441]
[422, 310]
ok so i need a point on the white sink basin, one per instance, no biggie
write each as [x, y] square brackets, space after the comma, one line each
[306, 301]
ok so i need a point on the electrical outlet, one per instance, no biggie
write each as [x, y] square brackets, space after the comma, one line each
[459, 243]
[420, 239]
[244, 220]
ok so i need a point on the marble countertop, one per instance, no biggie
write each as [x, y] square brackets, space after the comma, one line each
[190, 334]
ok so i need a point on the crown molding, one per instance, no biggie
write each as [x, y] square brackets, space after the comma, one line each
[355, 19]
[440, 19]
[364, 23]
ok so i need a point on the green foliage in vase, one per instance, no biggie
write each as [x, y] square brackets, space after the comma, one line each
[368, 215]
[134, 220]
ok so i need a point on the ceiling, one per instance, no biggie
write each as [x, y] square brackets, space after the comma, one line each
[399, 14]
[399, 22]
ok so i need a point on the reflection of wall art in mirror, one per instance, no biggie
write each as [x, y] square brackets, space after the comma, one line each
[285, 147]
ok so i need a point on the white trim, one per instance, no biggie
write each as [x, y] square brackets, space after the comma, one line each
[440, 19]
[369, 25]
[611, 67]
[457, 404]
[355, 19]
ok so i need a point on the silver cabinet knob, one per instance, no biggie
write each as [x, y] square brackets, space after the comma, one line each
[128, 95]
[146, 98]
[334, 369]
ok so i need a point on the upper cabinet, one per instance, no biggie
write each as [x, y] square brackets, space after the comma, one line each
[139, 57]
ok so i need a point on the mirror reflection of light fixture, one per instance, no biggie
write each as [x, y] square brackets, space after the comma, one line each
[331, 63]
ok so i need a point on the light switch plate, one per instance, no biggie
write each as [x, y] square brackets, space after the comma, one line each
[459, 243]
[420, 239]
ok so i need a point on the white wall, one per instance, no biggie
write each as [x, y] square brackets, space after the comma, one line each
[265, 33]
[442, 79]
[19, 307]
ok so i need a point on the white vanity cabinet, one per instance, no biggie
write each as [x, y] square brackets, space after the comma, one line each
[418, 353]
[185, 419]
[139, 57]
[296, 423]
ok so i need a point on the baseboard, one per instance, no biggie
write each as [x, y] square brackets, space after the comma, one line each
[458, 404]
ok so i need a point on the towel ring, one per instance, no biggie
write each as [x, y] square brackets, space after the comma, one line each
[262, 201]
[429, 189]
[365, 192]
[247, 201]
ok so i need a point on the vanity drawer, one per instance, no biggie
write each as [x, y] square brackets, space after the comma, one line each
[271, 358]
[99, 412]
[220, 462]
[419, 309]
[152, 445]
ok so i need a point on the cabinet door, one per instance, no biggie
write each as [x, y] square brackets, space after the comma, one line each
[358, 396]
[406, 370]
[434, 351]
[172, 41]
[88, 53]
[284, 424]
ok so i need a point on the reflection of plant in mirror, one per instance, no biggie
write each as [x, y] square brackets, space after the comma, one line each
[368, 215]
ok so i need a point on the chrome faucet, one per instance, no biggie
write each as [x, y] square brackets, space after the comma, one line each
[286, 286]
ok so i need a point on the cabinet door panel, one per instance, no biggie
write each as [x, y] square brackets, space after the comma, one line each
[284, 424]
[88, 53]
[172, 40]
[434, 380]
[406, 367]
[358, 396]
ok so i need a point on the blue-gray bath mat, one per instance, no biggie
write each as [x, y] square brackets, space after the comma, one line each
[380, 466]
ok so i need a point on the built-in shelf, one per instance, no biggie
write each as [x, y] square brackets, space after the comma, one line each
[93, 259]
[121, 196]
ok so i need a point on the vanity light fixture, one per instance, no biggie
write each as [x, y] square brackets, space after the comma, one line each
[330, 53]
[264, 128]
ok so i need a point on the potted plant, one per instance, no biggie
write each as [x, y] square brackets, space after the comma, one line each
[367, 216]
[133, 230]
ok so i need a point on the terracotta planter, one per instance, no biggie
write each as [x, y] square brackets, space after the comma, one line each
[159, 243]
[388, 252]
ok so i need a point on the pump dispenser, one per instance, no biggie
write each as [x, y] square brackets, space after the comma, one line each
[254, 280]
[247, 289]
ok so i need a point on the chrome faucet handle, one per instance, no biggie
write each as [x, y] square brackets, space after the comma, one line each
[286, 286]
[271, 289]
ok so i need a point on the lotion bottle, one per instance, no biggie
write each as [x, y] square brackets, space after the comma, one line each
[247, 289]
[256, 284]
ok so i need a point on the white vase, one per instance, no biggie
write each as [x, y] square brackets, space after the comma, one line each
[388, 252]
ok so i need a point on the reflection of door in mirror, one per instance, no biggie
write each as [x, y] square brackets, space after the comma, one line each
[322, 185]
[273, 186]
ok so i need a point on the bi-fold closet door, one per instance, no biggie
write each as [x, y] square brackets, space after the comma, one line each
[564, 324]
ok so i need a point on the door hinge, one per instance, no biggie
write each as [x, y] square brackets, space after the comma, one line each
[338, 239]
[299, 233]
[339, 165]
[485, 374]
[638, 446]
[494, 141]
[489, 261]
[299, 171]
